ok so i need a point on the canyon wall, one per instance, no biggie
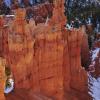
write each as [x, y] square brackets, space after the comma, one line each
[44, 58]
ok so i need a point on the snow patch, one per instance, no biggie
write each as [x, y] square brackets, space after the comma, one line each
[46, 23]
[10, 15]
[69, 27]
[95, 53]
[94, 87]
[11, 88]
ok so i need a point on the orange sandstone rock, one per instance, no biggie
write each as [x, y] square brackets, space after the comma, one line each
[2, 78]
[46, 59]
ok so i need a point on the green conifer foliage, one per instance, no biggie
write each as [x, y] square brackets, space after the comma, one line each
[82, 9]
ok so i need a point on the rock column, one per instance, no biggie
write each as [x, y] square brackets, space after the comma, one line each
[2, 78]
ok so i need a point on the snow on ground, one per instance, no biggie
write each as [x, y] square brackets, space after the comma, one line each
[94, 87]
[95, 53]
[9, 89]
[68, 26]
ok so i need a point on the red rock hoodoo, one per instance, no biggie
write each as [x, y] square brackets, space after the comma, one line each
[45, 59]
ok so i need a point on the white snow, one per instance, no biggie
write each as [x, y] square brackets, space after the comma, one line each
[68, 26]
[94, 56]
[10, 15]
[94, 87]
[46, 23]
[95, 53]
[9, 89]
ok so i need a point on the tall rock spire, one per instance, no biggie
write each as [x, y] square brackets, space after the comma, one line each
[58, 12]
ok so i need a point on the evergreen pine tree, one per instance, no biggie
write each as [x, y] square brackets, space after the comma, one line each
[82, 9]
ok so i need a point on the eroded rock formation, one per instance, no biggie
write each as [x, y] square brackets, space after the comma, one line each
[85, 52]
[45, 59]
[2, 78]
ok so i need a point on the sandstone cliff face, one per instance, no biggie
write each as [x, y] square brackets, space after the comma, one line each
[73, 71]
[45, 59]
[2, 78]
